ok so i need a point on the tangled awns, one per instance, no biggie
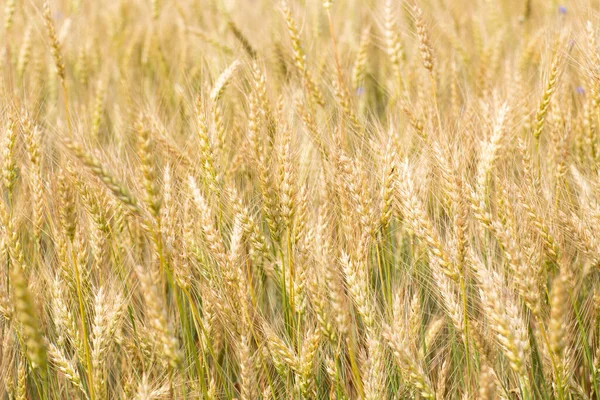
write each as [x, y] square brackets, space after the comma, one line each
[301, 199]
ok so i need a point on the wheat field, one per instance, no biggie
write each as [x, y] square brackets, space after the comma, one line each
[261, 199]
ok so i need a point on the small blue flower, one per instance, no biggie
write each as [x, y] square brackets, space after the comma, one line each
[360, 90]
[580, 90]
[562, 10]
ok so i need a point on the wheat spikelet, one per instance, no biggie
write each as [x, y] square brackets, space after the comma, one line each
[32, 140]
[65, 366]
[54, 43]
[420, 223]
[450, 300]
[9, 14]
[153, 198]
[306, 363]
[557, 327]
[26, 317]
[165, 339]
[104, 175]
[424, 44]
[221, 84]
[214, 241]
[486, 384]
[356, 280]
[22, 382]
[68, 219]
[9, 173]
[359, 70]
[283, 357]
[506, 320]
[206, 152]
[248, 382]
[98, 108]
[299, 55]
[540, 117]
[25, 52]
[413, 371]
[375, 382]
[107, 317]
